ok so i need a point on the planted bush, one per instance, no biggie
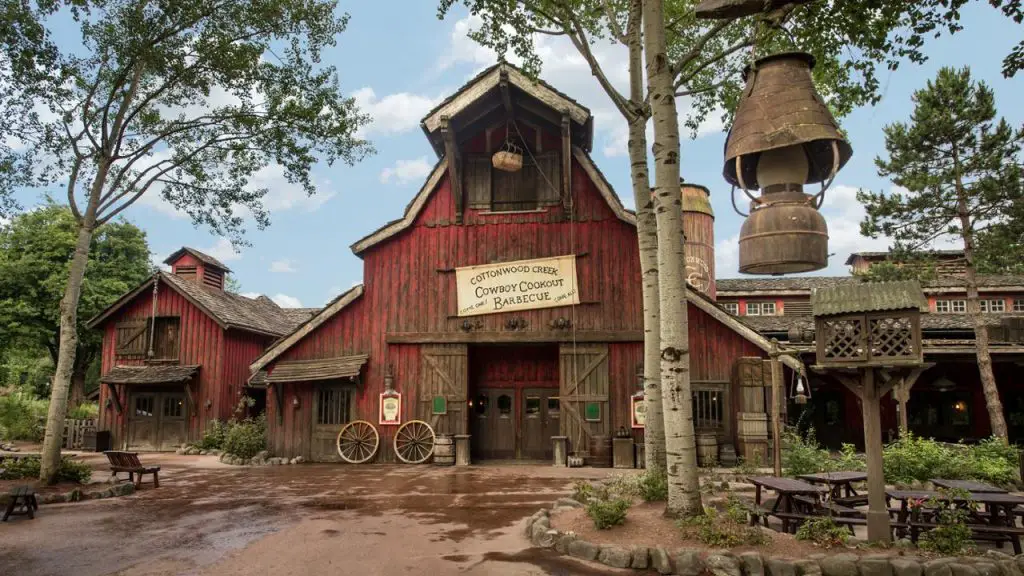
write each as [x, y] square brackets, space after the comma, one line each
[723, 529]
[22, 417]
[914, 458]
[801, 454]
[246, 437]
[215, 435]
[84, 411]
[654, 486]
[69, 471]
[952, 536]
[607, 513]
[823, 532]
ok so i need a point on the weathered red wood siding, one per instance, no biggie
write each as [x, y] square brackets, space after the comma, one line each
[201, 344]
[240, 349]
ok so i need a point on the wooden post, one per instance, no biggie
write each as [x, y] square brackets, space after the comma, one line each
[878, 514]
[901, 393]
[776, 410]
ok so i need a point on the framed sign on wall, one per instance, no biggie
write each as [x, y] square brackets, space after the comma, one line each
[638, 410]
[390, 409]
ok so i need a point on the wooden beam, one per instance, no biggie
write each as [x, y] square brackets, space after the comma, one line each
[776, 410]
[451, 151]
[506, 94]
[279, 395]
[117, 397]
[567, 166]
[513, 337]
[191, 399]
[878, 513]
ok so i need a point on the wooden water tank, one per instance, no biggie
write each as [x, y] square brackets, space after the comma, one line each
[699, 231]
[707, 449]
[601, 451]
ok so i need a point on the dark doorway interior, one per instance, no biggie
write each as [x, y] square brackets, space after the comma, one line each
[514, 406]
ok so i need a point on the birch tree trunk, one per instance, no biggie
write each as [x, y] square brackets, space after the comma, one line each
[647, 234]
[988, 379]
[680, 450]
[68, 346]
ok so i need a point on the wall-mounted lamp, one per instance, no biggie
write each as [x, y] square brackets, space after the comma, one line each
[209, 403]
[109, 403]
[389, 379]
[295, 402]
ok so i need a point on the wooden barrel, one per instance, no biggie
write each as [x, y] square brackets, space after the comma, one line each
[444, 450]
[707, 449]
[601, 451]
[752, 425]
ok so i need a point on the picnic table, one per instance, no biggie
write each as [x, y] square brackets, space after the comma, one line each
[999, 522]
[21, 501]
[840, 486]
[787, 489]
[968, 485]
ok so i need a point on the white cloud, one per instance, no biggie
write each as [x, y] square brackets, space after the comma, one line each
[222, 250]
[286, 301]
[283, 266]
[727, 257]
[394, 113]
[406, 171]
[157, 260]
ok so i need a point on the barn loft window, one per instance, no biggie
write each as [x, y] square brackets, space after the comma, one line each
[535, 186]
[132, 338]
[1018, 305]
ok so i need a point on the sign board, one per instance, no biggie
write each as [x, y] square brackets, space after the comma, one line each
[638, 410]
[390, 409]
[592, 411]
[440, 405]
[518, 285]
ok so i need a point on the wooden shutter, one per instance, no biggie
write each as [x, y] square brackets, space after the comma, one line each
[549, 178]
[751, 373]
[477, 178]
[167, 338]
[444, 372]
[583, 380]
[131, 337]
[515, 190]
[796, 307]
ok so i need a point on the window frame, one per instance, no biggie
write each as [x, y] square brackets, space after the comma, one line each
[732, 308]
[958, 306]
[942, 307]
[752, 309]
[1018, 304]
[774, 308]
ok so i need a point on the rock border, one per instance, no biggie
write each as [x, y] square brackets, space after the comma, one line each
[697, 561]
[262, 458]
[79, 495]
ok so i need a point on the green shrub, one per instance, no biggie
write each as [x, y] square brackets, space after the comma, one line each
[607, 513]
[993, 460]
[246, 437]
[215, 435]
[70, 470]
[22, 417]
[914, 458]
[654, 486]
[802, 454]
[723, 530]
[84, 411]
[823, 532]
[952, 536]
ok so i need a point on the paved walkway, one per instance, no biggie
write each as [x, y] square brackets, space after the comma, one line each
[209, 519]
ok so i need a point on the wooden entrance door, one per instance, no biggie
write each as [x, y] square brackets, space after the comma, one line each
[332, 409]
[444, 373]
[540, 420]
[493, 423]
[583, 389]
[157, 420]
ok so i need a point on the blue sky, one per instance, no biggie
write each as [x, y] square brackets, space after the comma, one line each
[398, 60]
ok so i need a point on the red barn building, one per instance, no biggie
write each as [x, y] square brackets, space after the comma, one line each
[503, 304]
[176, 352]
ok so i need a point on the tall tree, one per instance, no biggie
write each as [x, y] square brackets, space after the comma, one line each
[962, 171]
[184, 99]
[704, 59]
[35, 252]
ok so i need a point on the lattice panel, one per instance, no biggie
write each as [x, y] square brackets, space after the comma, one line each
[892, 337]
[844, 339]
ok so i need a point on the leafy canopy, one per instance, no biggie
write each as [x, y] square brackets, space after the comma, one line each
[35, 255]
[188, 98]
[952, 143]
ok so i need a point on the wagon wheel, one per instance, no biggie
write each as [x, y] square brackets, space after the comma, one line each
[414, 442]
[357, 442]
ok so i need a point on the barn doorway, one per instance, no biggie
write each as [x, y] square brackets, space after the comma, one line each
[514, 404]
[157, 419]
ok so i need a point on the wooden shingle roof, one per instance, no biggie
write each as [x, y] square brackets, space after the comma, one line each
[201, 256]
[152, 374]
[868, 297]
[321, 369]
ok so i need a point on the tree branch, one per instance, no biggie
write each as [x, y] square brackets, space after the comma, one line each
[714, 86]
[613, 22]
[72, 182]
[698, 48]
[579, 39]
[683, 80]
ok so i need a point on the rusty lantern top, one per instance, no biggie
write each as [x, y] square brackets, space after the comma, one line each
[778, 108]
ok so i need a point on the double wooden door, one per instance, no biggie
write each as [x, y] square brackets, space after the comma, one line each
[157, 420]
[332, 409]
[509, 423]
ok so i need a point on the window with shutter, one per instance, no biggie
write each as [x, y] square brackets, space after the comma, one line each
[536, 185]
[130, 339]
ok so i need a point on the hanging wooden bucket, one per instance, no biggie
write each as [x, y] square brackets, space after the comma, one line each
[707, 449]
[444, 450]
[785, 235]
[507, 161]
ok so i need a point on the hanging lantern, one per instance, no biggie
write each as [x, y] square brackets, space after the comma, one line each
[509, 158]
[800, 391]
[783, 137]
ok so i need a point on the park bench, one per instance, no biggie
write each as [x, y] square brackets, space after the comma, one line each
[22, 502]
[827, 506]
[129, 462]
[796, 519]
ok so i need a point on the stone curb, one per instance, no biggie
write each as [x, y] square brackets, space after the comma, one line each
[78, 495]
[693, 562]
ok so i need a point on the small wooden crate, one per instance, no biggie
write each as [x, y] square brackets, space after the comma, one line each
[622, 453]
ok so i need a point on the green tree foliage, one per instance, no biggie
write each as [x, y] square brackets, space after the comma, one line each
[961, 169]
[886, 271]
[35, 253]
[186, 99]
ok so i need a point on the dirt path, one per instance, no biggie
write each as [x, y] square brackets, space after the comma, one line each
[312, 519]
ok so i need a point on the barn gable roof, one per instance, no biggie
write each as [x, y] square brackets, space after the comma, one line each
[229, 310]
[201, 256]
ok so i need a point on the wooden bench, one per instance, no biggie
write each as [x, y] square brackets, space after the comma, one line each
[23, 502]
[828, 506]
[129, 462]
[861, 500]
[997, 534]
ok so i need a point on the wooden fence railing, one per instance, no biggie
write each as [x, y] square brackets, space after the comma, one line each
[75, 432]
